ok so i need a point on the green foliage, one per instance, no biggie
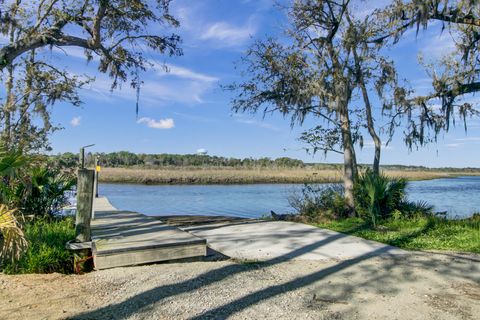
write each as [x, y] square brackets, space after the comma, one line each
[46, 192]
[421, 233]
[377, 195]
[316, 203]
[46, 251]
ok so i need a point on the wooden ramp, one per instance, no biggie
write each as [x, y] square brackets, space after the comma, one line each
[125, 238]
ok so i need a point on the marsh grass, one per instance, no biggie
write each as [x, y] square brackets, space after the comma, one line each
[195, 175]
[46, 251]
[422, 233]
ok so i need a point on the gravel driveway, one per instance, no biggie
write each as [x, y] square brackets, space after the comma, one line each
[408, 286]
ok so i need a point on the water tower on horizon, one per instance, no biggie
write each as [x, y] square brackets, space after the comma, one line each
[202, 152]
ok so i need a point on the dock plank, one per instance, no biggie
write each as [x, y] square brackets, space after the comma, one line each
[125, 238]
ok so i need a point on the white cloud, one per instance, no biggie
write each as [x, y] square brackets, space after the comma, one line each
[75, 122]
[227, 34]
[184, 73]
[157, 124]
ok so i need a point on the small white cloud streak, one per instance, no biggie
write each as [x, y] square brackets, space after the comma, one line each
[454, 145]
[228, 34]
[255, 123]
[468, 139]
[438, 46]
[75, 122]
[462, 142]
[184, 86]
[157, 124]
[184, 73]
[369, 144]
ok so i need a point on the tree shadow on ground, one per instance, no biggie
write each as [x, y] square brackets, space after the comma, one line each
[379, 280]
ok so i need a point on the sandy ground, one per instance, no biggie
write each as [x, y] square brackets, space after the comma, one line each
[412, 286]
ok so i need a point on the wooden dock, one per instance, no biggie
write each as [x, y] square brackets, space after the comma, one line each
[125, 238]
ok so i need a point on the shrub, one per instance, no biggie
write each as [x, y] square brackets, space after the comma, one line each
[46, 251]
[46, 191]
[316, 203]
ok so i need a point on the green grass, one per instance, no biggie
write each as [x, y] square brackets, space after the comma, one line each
[46, 251]
[416, 234]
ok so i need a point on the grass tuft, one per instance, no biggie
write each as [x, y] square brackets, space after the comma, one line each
[46, 248]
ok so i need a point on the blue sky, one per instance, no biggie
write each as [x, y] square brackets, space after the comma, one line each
[185, 109]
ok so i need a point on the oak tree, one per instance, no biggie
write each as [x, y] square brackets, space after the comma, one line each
[117, 33]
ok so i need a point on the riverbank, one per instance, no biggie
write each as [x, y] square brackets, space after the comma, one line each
[252, 176]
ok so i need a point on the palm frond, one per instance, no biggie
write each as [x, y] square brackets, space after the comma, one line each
[13, 244]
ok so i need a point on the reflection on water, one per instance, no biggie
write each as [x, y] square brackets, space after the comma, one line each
[459, 196]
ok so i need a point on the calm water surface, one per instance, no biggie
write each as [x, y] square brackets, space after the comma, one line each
[459, 196]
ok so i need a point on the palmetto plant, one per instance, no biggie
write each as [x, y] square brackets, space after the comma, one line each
[46, 191]
[12, 239]
[378, 195]
[11, 163]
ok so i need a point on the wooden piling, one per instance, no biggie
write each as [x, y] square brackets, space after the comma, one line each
[85, 182]
[85, 185]
[81, 158]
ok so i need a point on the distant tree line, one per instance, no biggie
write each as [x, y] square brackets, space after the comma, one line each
[129, 159]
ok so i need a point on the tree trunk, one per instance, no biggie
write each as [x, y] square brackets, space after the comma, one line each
[349, 162]
[371, 129]
[368, 110]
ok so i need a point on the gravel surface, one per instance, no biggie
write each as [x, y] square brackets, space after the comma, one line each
[413, 286]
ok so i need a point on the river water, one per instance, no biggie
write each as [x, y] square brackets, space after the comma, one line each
[460, 197]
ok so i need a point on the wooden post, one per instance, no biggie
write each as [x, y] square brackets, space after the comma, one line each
[82, 158]
[84, 204]
[82, 260]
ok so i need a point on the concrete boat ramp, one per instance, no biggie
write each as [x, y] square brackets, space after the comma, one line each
[124, 238]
